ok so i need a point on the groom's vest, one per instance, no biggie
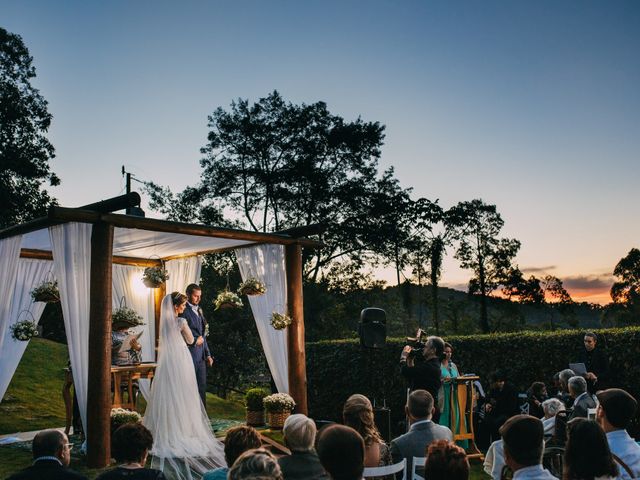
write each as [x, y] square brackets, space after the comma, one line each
[197, 326]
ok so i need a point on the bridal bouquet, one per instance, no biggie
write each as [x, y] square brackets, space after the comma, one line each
[227, 299]
[252, 286]
[280, 321]
[154, 277]
[278, 402]
[46, 292]
[24, 330]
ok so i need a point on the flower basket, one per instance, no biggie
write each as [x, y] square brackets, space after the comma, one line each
[125, 316]
[46, 292]
[24, 330]
[278, 403]
[255, 418]
[120, 416]
[227, 299]
[276, 419]
[252, 286]
[280, 321]
[154, 277]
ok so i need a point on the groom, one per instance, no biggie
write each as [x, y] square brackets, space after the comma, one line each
[200, 353]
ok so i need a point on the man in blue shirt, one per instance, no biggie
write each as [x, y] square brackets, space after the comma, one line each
[614, 414]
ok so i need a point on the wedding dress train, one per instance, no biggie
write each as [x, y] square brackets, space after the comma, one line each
[184, 446]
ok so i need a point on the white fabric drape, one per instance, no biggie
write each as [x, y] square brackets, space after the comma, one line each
[127, 283]
[30, 274]
[9, 255]
[71, 247]
[182, 272]
[266, 263]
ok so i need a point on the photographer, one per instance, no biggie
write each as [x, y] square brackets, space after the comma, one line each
[424, 374]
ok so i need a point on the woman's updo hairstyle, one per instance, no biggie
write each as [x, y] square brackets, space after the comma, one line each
[178, 298]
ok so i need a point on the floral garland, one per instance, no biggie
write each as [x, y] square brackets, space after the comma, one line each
[47, 292]
[24, 330]
[252, 286]
[227, 299]
[278, 402]
[280, 321]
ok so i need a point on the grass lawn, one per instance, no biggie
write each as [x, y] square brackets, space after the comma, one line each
[34, 402]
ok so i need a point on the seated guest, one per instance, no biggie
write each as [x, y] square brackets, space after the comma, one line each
[587, 455]
[446, 461]
[536, 394]
[237, 441]
[358, 414]
[582, 400]
[550, 408]
[299, 434]
[523, 443]
[422, 432]
[564, 396]
[255, 464]
[51, 457]
[614, 414]
[341, 452]
[502, 403]
[130, 446]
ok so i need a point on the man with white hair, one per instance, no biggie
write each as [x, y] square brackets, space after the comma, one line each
[563, 378]
[551, 407]
[582, 400]
[299, 434]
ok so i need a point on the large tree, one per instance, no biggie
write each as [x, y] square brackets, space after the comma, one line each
[24, 149]
[273, 165]
[476, 228]
[627, 288]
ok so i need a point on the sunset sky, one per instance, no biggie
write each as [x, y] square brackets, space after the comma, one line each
[531, 105]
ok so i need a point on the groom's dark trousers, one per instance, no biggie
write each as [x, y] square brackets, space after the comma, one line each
[199, 353]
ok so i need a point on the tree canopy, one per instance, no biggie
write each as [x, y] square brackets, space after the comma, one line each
[25, 151]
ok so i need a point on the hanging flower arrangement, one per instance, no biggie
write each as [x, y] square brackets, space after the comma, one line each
[24, 330]
[280, 321]
[154, 277]
[47, 292]
[125, 316]
[227, 299]
[252, 286]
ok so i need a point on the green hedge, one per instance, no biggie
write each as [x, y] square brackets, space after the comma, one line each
[337, 369]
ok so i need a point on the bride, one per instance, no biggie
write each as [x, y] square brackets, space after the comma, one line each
[184, 446]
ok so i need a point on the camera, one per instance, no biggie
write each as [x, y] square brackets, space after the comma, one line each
[417, 343]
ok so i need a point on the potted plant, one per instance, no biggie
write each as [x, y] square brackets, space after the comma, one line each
[255, 406]
[46, 292]
[154, 277]
[280, 321]
[120, 416]
[126, 316]
[278, 406]
[252, 286]
[227, 299]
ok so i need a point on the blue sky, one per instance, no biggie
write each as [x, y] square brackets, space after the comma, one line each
[533, 106]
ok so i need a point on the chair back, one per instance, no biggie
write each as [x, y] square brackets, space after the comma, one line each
[387, 470]
[552, 460]
[417, 462]
[523, 403]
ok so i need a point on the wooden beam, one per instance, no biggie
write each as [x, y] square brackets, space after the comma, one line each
[99, 391]
[295, 331]
[158, 295]
[28, 227]
[134, 261]
[62, 214]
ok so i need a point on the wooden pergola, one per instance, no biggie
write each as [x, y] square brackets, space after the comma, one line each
[102, 258]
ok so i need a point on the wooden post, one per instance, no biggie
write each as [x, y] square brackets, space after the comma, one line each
[295, 343]
[99, 386]
[158, 295]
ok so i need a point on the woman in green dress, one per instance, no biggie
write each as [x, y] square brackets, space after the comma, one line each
[448, 371]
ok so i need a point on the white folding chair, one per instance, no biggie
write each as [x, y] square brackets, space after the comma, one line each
[387, 470]
[417, 462]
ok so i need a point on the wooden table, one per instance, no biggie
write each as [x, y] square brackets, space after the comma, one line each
[126, 374]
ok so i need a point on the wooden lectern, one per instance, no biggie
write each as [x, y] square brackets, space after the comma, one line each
[461, 408]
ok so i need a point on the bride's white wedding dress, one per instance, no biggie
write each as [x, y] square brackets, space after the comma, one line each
[184, 446]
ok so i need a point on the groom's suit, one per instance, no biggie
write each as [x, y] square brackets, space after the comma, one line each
[199, 353]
